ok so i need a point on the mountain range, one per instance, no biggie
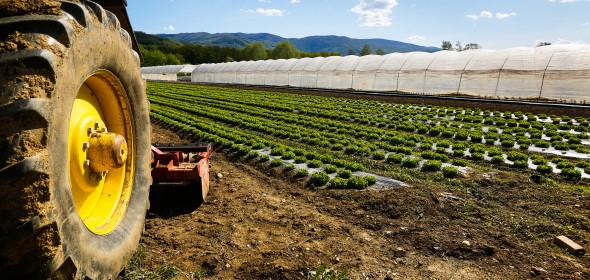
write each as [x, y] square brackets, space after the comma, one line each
[341, 44]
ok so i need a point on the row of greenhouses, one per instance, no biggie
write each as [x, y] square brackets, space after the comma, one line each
[559, 72]
[166, 72]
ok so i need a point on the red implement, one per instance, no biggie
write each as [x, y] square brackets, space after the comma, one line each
[181, 165]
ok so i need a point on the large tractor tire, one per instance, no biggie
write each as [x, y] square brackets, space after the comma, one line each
[70, 90]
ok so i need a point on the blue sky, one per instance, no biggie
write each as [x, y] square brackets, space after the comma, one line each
[494, 24]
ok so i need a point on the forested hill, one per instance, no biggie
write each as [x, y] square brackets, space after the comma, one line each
[340, 44]
[152, 40]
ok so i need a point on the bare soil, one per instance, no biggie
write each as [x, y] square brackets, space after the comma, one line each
[259, 223]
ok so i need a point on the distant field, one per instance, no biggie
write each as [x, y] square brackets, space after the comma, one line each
[409, 143]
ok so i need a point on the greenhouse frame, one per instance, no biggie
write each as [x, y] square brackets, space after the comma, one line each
[557, 72]
[166, 72]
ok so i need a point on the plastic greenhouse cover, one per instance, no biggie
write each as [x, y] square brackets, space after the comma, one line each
[280, 76]
[555, 71]
[187, 68]
[166, 69]
[369, 63]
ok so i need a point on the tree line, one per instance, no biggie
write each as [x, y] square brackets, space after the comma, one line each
[366, 50]
[186, 53]
[448, 46]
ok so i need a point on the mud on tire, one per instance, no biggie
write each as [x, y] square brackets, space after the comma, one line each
[48, 51]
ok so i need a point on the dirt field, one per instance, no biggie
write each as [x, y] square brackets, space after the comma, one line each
[259, 223]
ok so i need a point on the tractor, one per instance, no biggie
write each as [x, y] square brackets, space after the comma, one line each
[76, 160]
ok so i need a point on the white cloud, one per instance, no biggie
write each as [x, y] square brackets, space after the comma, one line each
[486, 14]
[416, 38]
[169, 28]
[563, 1]
[503, 15]
[586, 24]
[294, 1]
[374, 12]
[265, 1]
[267, 12]
[482, 14]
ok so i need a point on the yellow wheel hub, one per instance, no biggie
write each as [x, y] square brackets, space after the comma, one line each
[101, 152]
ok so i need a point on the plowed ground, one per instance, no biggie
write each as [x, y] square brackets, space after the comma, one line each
[259, 223]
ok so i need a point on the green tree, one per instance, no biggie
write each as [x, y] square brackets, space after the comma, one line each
[458, 46]
[366, 50]
[472, 46]
[152, 56]
[318, 54]
[285, 50]
[254, 51]
[380, 51]
[351, 52]
[174, 59]
[446, 45]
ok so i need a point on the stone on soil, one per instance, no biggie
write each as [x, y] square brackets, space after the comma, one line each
[399, 252]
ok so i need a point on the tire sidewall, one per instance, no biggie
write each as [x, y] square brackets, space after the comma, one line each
[99, 47]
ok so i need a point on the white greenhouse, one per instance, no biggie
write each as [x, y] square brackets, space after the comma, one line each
[167, 72]
[559, 72]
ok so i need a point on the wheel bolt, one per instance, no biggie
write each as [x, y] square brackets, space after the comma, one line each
[96, 125]
[87, 163]
[89, 131]
[85, 146]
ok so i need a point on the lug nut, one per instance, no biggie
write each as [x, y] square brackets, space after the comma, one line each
[97, 176]
[89, 131]
[96, 125]
[104, 129]
[87, 163]
[85, 146]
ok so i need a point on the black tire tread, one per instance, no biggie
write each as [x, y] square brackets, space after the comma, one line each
[98, 11]
[34, 164]
[36, 106]
[38, 59]
[52, 26]
[113, 20]
[77, 11]
[125, 35]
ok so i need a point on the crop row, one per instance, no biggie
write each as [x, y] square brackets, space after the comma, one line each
[292, 124]
[521, 135]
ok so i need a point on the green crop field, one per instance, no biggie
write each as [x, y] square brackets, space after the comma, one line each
[409, 143]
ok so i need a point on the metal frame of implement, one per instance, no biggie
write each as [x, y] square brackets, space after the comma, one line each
[181, 165]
